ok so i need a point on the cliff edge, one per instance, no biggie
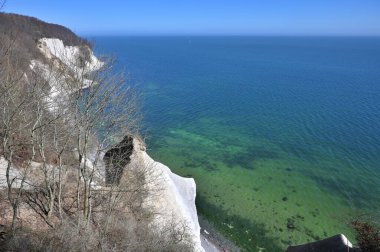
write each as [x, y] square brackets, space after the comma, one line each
[66, 63]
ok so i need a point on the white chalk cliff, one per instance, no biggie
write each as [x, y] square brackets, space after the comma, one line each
[64, 57]
[176, 197]
[177, 194]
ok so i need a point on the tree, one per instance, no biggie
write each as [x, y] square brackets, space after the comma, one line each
[2, 4]
[58, 120]
[92, 110]
[19, 120]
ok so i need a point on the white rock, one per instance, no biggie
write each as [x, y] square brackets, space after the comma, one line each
[68, 55]
[177, 195]
[53, 48]
[14, 174]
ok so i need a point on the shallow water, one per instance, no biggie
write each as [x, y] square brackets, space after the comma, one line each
[281, 134]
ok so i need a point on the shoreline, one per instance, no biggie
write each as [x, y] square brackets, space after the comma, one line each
[212, 240]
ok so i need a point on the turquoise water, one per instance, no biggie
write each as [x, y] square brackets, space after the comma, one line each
[282, 134]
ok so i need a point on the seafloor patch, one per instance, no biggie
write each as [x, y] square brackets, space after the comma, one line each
[271, 194]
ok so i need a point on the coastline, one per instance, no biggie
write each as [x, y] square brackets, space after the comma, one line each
[212, 240]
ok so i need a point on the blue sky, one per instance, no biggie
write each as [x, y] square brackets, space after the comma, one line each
[208, 17]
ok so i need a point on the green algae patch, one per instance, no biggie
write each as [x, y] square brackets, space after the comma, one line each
[254, 192]
[249, 235]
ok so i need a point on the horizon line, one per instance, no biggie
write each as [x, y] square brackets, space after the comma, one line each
[219, 35]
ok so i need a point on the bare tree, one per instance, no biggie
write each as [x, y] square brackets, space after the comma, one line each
[2, 4]
[60, 125]
[13, 119]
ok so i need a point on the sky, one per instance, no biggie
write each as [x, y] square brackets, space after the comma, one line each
[207, 17]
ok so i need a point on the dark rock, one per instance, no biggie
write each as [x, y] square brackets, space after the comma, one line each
[337, 243]
[290, 224]
[116, 159]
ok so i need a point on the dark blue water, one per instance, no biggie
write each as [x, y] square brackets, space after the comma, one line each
[261, 104]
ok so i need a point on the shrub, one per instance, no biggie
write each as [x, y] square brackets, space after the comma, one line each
[367, 236]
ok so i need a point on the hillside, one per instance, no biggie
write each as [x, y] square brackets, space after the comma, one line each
[25, 32]
[74, 173]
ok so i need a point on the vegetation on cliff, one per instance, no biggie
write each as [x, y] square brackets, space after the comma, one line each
[59, 116]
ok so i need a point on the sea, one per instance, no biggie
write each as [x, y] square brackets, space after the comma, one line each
[281, 134]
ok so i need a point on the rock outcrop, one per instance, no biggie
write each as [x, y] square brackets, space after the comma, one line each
[116, 160]
[336, 243]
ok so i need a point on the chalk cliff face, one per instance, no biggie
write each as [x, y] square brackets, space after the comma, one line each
[176, 198]
[78, 60]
